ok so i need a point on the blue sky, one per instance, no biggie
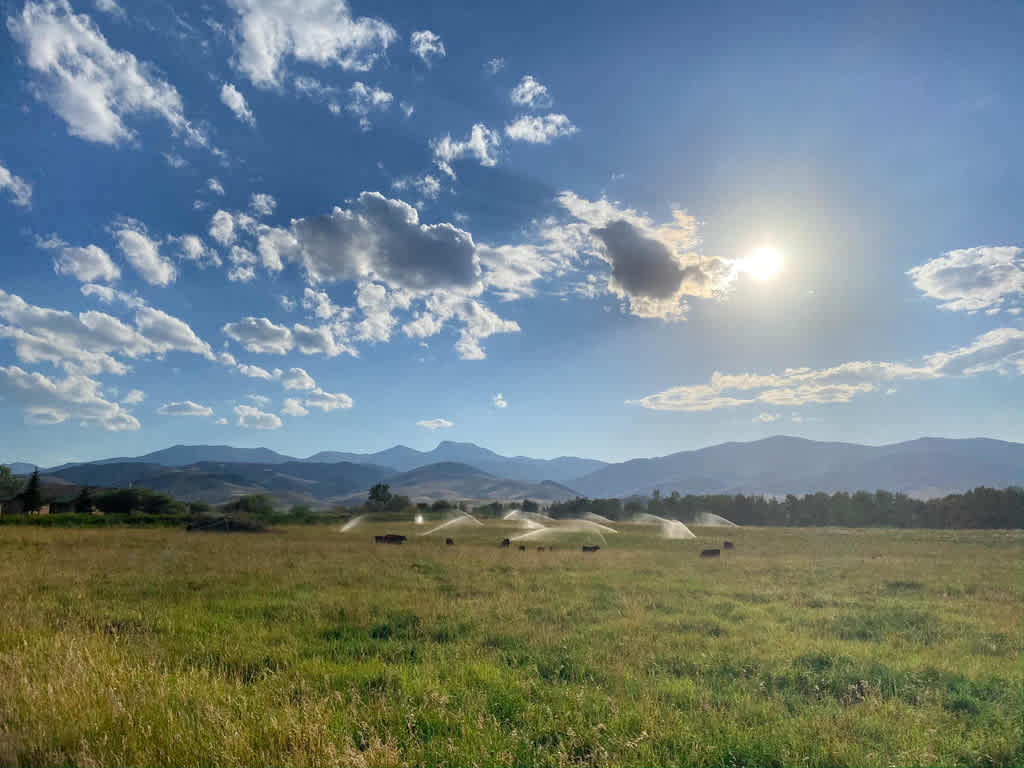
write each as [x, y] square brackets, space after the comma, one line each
[316, 225]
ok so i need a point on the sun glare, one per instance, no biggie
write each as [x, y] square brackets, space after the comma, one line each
[763, 263]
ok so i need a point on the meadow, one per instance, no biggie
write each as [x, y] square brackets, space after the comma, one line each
[305, 646]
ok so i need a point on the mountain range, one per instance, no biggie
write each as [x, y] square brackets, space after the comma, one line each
[777, 465]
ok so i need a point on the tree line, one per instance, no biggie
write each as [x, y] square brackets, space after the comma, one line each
[978, 508]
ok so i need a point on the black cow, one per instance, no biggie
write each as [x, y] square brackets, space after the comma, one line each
[390, 538]
[728, 545]
[522, 547]
[710, 552]
[450, 542]
[591, 548]
[378, 539]
[506, 542]
[540, 549]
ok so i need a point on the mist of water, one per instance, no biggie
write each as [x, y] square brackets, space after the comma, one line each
[455, 522]
[418, 519]
[352, 524]
[595, 518]
[712, 520]
[670, 529]
[564, 527]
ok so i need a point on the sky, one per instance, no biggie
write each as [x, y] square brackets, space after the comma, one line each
[317, 225]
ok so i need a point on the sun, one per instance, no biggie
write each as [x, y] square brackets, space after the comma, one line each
[762, 264]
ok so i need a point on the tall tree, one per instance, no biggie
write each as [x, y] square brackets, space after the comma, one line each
[32, 496]
[83, 503]
[380, 493]
[9, 484]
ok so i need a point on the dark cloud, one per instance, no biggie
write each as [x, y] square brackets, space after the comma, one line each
[641, 265]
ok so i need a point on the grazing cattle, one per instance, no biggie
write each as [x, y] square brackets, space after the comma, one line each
[390, 538]
[378, 539]
[710, 552]
[506, 542]
[540, 549]
[450, 542]
[522, 547]
[591, 548]
[728, 545]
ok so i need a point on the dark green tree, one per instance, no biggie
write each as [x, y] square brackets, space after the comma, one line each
[380, 494]
[32, 496]
[9, 484]
[83, 502]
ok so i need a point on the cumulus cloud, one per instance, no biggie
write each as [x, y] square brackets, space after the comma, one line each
[133, 397]
[766, 418]
[262, 204]
[540, 129]
[175, 161]
[241, 274]
[322, 340]
[86, 264]
[297, 378]
[499, 401]
[91, 86]
[221, 420]
[972, 279]
[433, 424]
[90, 342]
[111, 7]
[426, 186]
[1000, 350]
[213, 184]
[255, 372]
[364, 99]
[293, 407]
[222, 228]
[653, 268]
[482, 145]
[143, 253]
[260, 335]
[253, 418]
[427, 46]
[192, 248]
[54, 401]
[327, 401]
[529, 93]
[109, 295]
[235, 101]
[261, 400]
[479, 322]
[377, 303]
[319, 303]
[19, 189]
[511, 270]
[383, 238]
[185, 408]
[321, 32]
[495, 65]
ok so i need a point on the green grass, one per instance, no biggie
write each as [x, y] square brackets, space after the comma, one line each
[304, 646]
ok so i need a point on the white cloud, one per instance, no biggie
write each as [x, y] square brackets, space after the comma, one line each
[86, 264]
[90, 85]
[221, 420]
[143, 253]
[322, 340]
[530, 93]
[511, 270]
[109, 295]
[175, 161]
[482, 144]
[499, 401]
[87, 343]
[495, 65]
[293, 407]
[235, 101]
[222, 228]
[407, 108]
[261, 400]
[364, 99]
[326, 401]
[376, 304]
[19, 189]
[254, 418]
[133, 397]
[53, 401]
[479, 322]
[1000, 350]
[321, 32]
[433, 424]
[213, 184]
[185, 408]
[426, 186]
[427, 46]
[973, 279]
[287, 304]
[192, 248]
[319, 303]
[766, 418]
[297, 378]
[540, 129]
[261, 336]
[255, 372]
[241, 274]
[111, 7]
[262, 204]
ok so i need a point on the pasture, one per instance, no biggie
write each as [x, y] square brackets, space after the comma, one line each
[305, 646]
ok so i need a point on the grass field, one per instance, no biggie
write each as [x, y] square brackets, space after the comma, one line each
[305, 646]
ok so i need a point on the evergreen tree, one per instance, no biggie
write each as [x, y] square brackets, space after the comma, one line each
[83, 503]
[33, 498]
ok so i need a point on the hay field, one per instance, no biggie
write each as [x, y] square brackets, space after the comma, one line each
[305, 646]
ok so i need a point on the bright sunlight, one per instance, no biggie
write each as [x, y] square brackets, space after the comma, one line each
[762, 264]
